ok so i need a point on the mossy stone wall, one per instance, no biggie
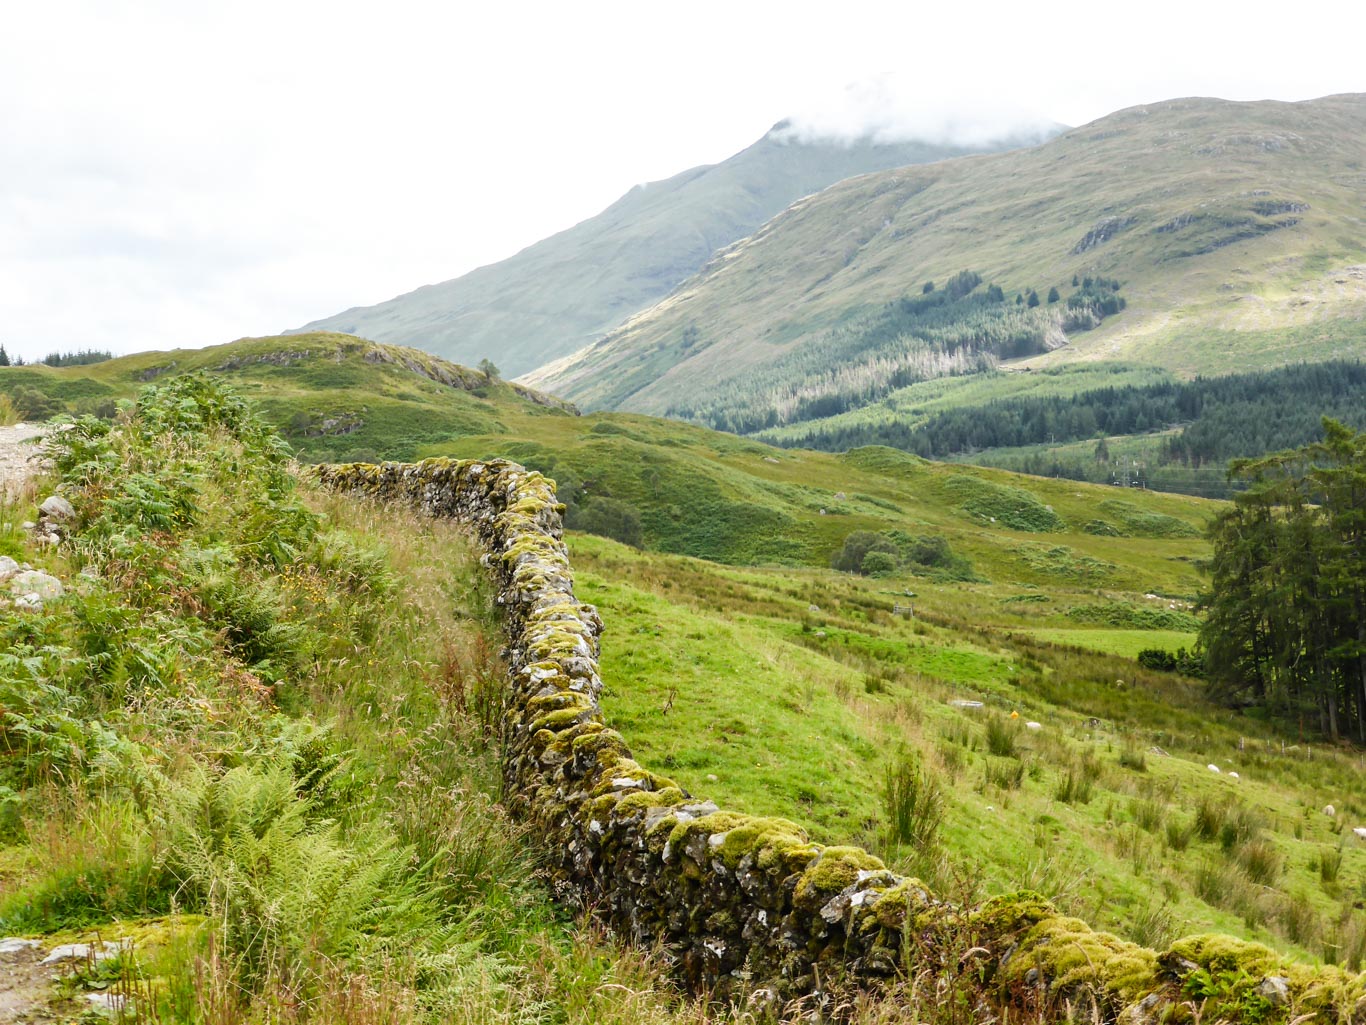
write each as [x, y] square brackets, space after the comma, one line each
[743, 901]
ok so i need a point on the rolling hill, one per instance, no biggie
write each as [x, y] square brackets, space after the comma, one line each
[738, 661]
[567, 290]
[1231, 231]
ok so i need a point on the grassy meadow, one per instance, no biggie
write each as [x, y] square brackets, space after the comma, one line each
[352, 670]
[799, 693]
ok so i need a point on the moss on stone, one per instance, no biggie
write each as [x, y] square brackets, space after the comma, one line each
[1010, 913]
[1068, 955]
[756, 835]
[708, 825]
[833, 870]
[641, 800]
[1216, 953]
[897, 905]
[563, 718]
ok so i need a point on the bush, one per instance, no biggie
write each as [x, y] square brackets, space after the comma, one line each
[878, 564]
[1074, 787]
[610, 517]
[1002, 734]
[1157, 658]
[1261, 861]
[858, 546]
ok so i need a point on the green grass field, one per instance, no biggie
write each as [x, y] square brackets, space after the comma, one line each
[791, 692]
[738, 662]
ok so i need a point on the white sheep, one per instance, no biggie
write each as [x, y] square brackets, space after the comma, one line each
[1360, 831]
[1212, 767]
[1330, 811]
[1234, 776]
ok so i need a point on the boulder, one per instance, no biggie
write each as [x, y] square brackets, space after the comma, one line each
[8, 567]
[35, 582]
[1275, 989]
[55, 507]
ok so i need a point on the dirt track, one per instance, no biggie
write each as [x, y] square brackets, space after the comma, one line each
[17, 455]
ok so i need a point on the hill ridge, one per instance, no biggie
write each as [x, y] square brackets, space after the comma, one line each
[555, 295]
[1229, 224]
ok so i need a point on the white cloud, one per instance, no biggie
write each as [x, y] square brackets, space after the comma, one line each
[890, 108]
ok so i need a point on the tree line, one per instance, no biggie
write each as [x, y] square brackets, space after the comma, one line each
[1225, 417]
[1286, 610]
[959, 328]
[80, 358]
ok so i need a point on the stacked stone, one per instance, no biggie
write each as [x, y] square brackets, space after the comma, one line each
[745, 900]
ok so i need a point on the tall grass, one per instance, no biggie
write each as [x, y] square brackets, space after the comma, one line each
[913, 802]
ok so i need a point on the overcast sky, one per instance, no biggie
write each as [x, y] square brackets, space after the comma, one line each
[182, 173]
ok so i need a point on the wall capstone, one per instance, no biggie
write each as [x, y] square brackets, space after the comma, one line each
[740, 900]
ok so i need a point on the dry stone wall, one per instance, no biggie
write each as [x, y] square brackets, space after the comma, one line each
[745, 902]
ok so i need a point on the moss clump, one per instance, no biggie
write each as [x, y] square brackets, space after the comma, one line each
[901, 903]
[1069, 955]
[642, 800]
[708, 825]
[834, 869]
[1010, 913]
[757, 836]
[565, 717]
[1217, 953]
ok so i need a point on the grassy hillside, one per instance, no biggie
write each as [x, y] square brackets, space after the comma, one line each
[698, 492]
[567, 290]
[253, 751]
[755, 675]
[802, 694]
[1232, 228]
[335, 397]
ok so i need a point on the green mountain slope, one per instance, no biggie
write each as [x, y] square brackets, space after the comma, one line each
[1234, 230]
[567, 290]
[334, 397]
[696, 491]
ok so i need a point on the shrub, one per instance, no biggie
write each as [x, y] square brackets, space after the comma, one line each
[858, 546]
[1002, 734]
[1179, 834]
[1148, 814]
[1006, 773]
[878, 564]
[1260, 860]
[1131, 756]
[1157, 658]
[610, 517]
[1074, 787]
[1329, 864]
